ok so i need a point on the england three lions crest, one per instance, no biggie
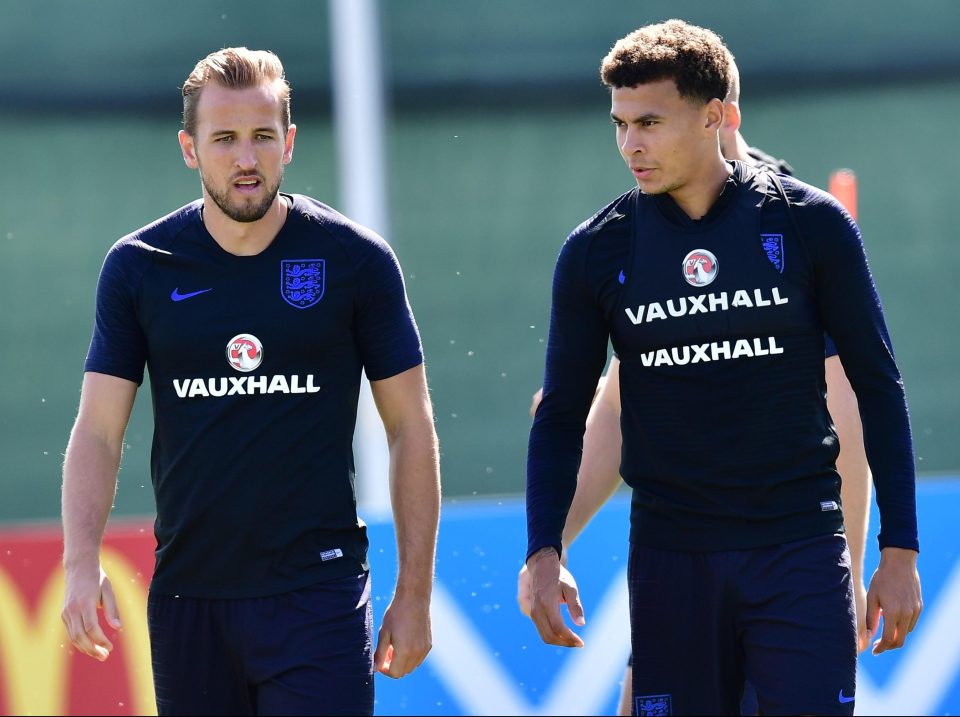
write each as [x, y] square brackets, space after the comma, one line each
[302, 281]
[773, 246]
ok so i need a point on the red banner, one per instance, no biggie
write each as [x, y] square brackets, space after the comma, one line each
[40, 671]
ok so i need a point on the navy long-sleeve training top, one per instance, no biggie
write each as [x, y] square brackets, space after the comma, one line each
[719, 326]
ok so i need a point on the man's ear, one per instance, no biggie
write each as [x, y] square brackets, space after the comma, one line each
[714, 115]
[188, 149]
[731, 116]
[288, 143]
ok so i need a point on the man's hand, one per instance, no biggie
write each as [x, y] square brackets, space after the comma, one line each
[86, 590]
[523, 590]
[895, 594]
[404, 638]
[551, 584]
[523, 585]
[860, 598]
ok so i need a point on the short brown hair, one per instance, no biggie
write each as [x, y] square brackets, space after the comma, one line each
[733, 91]
[236, 68]
[693, 57]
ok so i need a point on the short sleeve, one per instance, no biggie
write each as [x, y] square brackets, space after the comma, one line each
[118, 347]
[387, 332]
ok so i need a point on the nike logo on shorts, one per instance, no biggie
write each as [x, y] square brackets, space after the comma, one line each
[843, 700]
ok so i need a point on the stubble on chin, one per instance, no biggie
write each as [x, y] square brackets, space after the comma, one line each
[244, 213]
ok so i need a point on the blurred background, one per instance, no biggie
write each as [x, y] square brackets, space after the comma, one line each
[497, 144]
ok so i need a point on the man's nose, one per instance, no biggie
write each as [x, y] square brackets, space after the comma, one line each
[631, 141]
[246, 157]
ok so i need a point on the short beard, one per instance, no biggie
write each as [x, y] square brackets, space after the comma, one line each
[243, 213]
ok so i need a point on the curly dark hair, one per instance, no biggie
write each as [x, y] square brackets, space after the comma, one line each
[693, 57]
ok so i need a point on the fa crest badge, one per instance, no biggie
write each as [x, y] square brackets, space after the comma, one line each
[302, 281]
[654, 705]
[773, 246]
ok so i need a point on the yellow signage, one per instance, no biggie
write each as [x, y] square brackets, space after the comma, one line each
[35, 654]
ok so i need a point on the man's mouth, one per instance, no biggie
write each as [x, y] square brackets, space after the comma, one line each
[247, 183]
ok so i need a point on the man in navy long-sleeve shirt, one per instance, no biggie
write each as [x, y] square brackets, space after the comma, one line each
[715, 282]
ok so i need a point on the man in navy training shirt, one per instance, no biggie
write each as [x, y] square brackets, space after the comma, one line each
[255, 312]
[599, 473]
[715, 282]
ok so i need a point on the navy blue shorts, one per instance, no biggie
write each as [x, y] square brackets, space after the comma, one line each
[304, 652]
[781, 618]
[748, 702]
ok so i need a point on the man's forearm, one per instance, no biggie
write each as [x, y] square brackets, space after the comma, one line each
[599, 474]
[855, 493]
[89, 486]
[856, 481]
[415, 495]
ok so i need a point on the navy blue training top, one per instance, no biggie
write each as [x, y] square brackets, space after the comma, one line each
[719, 326]
[255, 365]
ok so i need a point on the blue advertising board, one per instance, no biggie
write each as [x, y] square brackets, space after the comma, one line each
[487, 658]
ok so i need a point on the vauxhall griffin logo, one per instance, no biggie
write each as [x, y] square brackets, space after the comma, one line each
[244, 352]
[699, 267]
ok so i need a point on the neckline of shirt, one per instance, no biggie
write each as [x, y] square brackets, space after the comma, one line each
[679, 219]
[219, 250]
